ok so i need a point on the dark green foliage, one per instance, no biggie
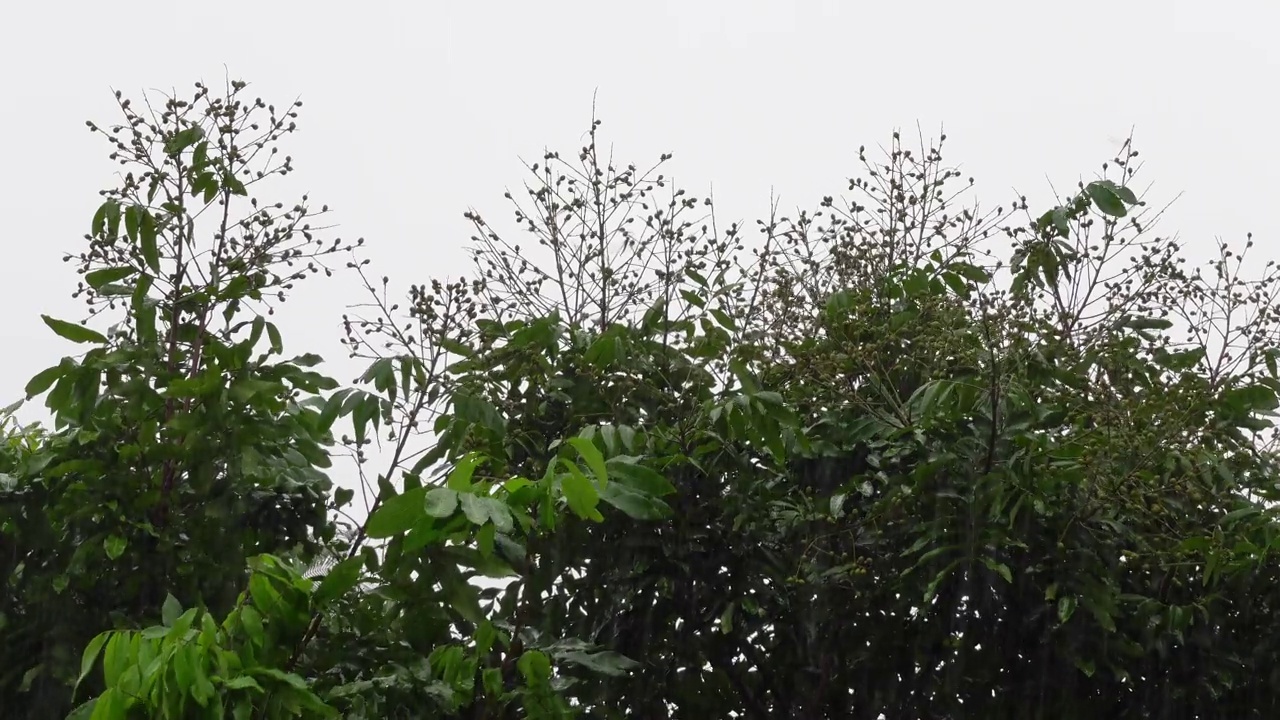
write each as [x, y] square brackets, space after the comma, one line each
[905, 457]
[180, 446]
[173, 545]
[910, 479]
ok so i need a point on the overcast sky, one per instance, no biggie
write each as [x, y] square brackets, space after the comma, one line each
[415, 111]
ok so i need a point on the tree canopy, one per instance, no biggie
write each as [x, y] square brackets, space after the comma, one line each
[896, 456]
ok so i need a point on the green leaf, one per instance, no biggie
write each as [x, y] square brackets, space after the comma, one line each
[726, 618]
[441, 502]
[580, 493]
[84, 712]
[535, 667]
[183, 139]
[293, 680]
[99, 226]
[45, 379]
[477, 410]
[234, 185]
[956, 283]
[655, 316]
[307, 360]
[251, 621]
[1239, 514]
[131, 222]
[463, 597]
[1101, 614]
[1066, 607]
[147, 240]
[606, 663]
[273, 336]
[932, 588]
[499, 514]
[340, 578]
[342, 497]
[114, 546]
[633, 504]
[264, 594]
[200, 158]
[972, 273]
[460, 476]
[366, 409]
[98, 278]
[180, 626]
[115, 290]
[1058, 220]
[1106, 198]
[90, 655]
[482, 510]
[486, 537]
[74, 332]
[202, 690]
[998, 568]
[243, 682]
[170, 610]
[397, 514]
[115, 658]
[647, 481]
[144, 311]
[1086, 666]
[1251, 398]
[724, 319]
[604, 351]
[693, 298]
[244, 389]
[840, 304]
[591, 455]
[1146, 323]
[110, 705]
[456, 347]
[477, 513]
[836, 505]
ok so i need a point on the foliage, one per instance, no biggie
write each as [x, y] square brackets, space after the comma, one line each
[917, 474]
[902, 457]
[189, 459]
[180, 445]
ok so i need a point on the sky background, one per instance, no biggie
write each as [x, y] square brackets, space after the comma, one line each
[416, 111]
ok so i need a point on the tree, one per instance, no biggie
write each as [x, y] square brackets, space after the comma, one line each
[903, 456]
[913, 477]
[165, 522]
[180, 447]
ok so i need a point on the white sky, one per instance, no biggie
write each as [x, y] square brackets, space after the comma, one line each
[415, 111]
